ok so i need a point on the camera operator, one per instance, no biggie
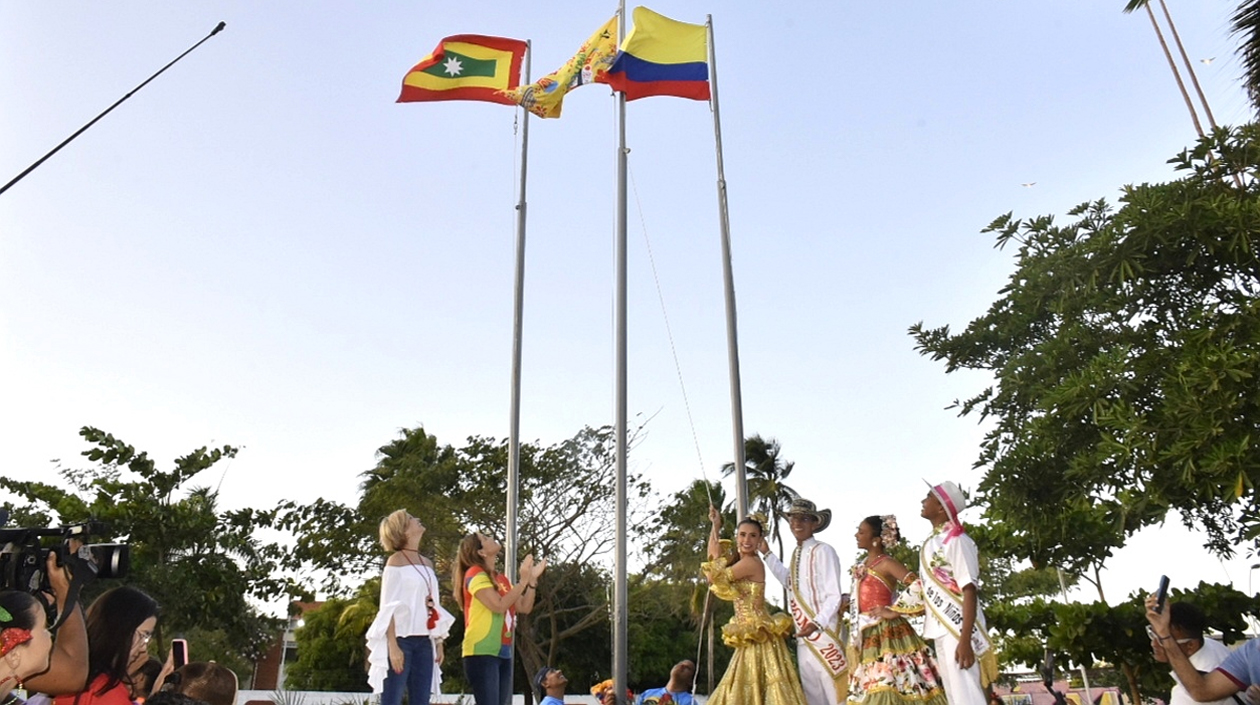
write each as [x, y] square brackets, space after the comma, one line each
[66, 670]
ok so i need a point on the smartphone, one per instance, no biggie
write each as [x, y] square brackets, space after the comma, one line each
[179, 652]
[1161, 595]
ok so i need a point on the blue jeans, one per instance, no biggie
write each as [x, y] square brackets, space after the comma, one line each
[416, 676]
[490, 678]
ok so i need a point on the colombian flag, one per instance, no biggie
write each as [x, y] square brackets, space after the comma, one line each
[661, 56]
[466, 67]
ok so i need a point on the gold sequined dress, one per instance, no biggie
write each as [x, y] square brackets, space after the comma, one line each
[761, 671]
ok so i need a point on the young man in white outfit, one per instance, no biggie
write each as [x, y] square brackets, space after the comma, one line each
[949, 569]
[814, 597]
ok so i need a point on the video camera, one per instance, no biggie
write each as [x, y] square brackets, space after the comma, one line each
[24, 559]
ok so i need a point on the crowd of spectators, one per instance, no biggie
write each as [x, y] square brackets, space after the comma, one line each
[59, 654]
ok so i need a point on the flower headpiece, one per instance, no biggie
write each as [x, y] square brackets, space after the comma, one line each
[12, 638]
[890, 535]
[603, 687]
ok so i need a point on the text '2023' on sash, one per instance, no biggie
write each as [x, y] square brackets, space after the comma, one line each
[824, 644]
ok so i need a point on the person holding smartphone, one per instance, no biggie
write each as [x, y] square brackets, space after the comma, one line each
[1186, 624]
[1240, 669]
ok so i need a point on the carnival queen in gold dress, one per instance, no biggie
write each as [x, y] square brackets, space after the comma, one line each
[760, 671]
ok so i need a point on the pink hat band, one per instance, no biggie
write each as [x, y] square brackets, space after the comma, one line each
[946, 501]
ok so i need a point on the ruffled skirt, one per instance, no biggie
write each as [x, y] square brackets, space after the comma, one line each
[761, 670]
[892, 666]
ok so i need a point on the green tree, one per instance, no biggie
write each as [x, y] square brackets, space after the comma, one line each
[566, 516]
[203, 565]
[1098, 633]
[329, 651]
[766, 473]
[682, 529]
[1125, 349]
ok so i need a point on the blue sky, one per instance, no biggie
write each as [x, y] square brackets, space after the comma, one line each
[262, 249]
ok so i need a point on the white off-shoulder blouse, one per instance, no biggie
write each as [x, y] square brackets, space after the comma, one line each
[403, 592]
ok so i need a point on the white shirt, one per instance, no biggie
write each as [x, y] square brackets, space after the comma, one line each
[964, 561]
[818, 575]
[403, 592]
[1206, 659]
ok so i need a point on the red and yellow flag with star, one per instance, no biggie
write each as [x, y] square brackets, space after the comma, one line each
[466, 67]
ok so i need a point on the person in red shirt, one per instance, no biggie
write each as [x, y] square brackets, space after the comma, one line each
[120, 624]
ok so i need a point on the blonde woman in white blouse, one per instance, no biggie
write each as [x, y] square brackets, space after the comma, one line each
[405, 640]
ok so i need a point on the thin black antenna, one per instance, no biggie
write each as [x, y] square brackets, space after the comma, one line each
[218, 28]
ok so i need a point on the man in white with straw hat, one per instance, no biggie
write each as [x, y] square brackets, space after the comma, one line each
[949, 567]
[813, 583]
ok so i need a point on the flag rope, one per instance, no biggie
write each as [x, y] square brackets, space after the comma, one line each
[669, 333]
[695, 438]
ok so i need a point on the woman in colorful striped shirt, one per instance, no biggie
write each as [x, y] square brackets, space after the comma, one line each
[491, 604]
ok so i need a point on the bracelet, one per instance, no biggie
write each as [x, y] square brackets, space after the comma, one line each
[528, 587]
[1162, 638]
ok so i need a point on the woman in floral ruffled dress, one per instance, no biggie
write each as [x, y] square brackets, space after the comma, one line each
[890, 663]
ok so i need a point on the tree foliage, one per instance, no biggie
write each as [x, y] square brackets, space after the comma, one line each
[330, 649]
[1097, 633]
[567, 515]
[766, 473]
[1125, 348]
[202, 565]
[681, 531]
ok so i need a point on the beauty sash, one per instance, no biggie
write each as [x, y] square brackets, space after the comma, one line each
[824, 643]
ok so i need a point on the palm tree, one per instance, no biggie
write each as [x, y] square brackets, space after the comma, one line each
[765, 472]
[1245, 25]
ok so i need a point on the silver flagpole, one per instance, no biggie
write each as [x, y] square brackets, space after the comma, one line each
[728, 278]
[518, 304]
[621, 630]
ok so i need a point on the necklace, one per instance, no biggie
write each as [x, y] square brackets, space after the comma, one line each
[429, 590]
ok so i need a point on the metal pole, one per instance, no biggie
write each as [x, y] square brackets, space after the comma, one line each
[1089, 697]
[518, 312]
[620, 593]
[218, 28]
[728, 279]
[518, 306]
[621, 631]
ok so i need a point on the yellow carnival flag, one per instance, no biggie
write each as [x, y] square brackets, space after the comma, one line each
[545, 96]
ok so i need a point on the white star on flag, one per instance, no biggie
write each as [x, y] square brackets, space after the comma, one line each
[453, 67]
